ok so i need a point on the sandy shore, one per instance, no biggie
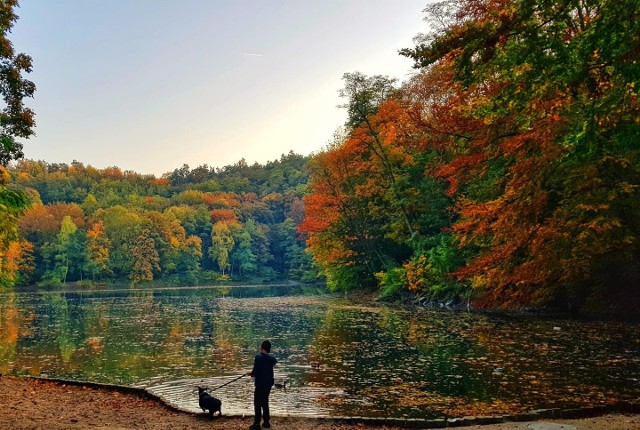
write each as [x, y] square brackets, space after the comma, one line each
[35, 404]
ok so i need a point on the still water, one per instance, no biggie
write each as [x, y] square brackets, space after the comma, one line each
[337, 357]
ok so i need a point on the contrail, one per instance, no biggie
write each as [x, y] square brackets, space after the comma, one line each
[251, 55]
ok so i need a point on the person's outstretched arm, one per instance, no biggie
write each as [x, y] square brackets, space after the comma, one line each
[252, 370]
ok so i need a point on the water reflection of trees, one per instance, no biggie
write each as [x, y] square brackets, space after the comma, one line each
[457, 363]
[393, 360]
[373, 359]
[134, 335]
[9, 331]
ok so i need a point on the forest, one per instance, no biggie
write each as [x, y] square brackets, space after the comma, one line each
[504, 173]
[190, 226]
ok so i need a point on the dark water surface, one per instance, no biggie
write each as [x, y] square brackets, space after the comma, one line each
[338, 358]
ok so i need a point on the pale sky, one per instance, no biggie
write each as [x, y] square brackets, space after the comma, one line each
[149, 85]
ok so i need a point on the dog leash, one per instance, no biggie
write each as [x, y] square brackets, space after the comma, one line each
[227, 383]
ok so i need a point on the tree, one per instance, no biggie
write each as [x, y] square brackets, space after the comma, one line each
[190, 256]
[97, 250]
[545, 164]
[364, 95]
[146, 259]
[77, 254]
[60, 252]
[342, 235]
[260, 249]
[122, 227]
[16, 120]
[222, 245]
[180, 255]
[17, 263]
[288, 248]
[12, 206]
[242, 257]
[373, 119]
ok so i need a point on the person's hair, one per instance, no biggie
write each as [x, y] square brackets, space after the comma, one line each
[266, 345]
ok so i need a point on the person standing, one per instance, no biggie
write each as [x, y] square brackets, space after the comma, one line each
[262, 372]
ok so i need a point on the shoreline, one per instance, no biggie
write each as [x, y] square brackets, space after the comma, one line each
[405, 300]
[36, 403]
[414, 301]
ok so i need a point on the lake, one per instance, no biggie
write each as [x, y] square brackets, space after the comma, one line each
[337, 357]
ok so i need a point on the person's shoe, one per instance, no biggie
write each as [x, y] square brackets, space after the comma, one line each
[266, 425]
[254, 426]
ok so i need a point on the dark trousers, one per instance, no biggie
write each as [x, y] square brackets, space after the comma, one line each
[261, 404]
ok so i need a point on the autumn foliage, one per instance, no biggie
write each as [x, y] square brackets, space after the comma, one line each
[191, 226]
[508, 163]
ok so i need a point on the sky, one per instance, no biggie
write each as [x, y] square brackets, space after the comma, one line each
[150, 85]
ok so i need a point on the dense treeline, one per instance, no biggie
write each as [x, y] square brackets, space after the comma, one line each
[506, 169]
[192, 225]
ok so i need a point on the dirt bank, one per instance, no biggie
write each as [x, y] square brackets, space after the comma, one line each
[35, 404]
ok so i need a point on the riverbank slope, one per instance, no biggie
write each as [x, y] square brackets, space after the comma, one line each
[36, 404]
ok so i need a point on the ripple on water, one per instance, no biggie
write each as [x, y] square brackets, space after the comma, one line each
[342, 359]
[237, 397]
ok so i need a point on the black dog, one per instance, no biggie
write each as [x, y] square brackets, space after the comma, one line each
[208, 402]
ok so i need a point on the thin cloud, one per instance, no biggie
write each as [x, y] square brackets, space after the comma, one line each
[250, 55]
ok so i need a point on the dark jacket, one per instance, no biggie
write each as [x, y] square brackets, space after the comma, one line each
[263, 370]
